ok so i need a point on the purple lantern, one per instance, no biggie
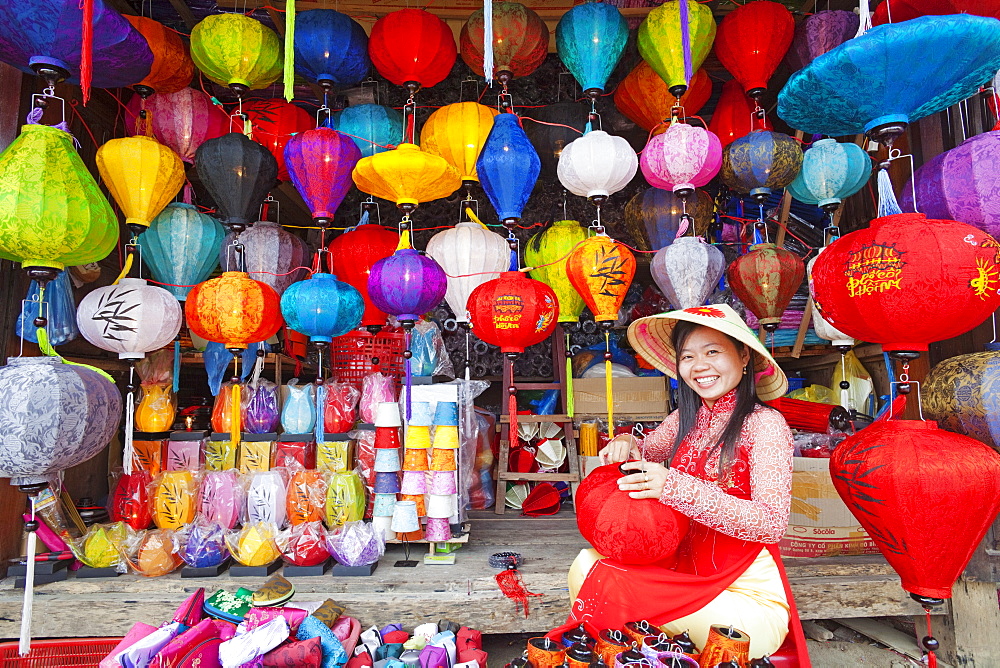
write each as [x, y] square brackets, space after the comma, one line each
[44, 37]
[320, 163]
[961, 184]
[820, 33]
[407, 284]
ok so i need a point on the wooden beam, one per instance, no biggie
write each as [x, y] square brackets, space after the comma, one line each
[800, 337]
[184, 12]
[122, 7]
[786, 206]
[968, 635]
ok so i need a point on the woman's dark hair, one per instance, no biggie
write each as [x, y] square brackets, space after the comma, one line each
[688, 402]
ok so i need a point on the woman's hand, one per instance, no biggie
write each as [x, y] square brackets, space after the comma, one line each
[620, 449]
[646, 483]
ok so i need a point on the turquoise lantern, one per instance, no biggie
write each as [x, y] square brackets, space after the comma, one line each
[831, 171]
[508, 167]
[590, 40]
[322, 307]
[373, 128]
[181, 247]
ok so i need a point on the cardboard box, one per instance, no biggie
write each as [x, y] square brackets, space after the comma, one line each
[820, 524]
[644, 397]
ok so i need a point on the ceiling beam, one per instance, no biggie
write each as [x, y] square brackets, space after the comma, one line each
[184, 12]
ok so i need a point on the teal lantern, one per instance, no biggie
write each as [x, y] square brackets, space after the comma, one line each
[760, 162]
[373, 128]
[181, 247]
[590, 40]
[831, 171]
[322, 307]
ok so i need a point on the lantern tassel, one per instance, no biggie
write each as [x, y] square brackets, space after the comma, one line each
[177, 365]
[488, 41]
[49, 351]
[234, 414]
[686, 40]
[87, 49]
[609, 397]
[512, 586]
[931, 657]
[887, 204]
[570, 401]
[128, 451]
[24, 643]
[865, 14]
[289, 73]
[512, 408]
[409, 379]
[127, 267]
[320, 418]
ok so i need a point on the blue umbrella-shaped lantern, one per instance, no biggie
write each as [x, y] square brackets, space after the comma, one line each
[331, 49]
[831, 171]
[590, 40]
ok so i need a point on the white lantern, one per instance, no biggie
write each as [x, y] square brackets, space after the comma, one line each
[687, 271]
[131, 318]
[823, 329]
[597, 164]
[468, 248]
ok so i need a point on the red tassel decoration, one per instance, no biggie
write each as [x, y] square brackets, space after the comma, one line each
[930, 643]
[512, 407]
[87, 48]
[512, 586]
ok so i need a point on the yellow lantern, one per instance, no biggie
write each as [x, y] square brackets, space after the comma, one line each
[236, 51]
[457, 132]
[661, 42]
[406, 176]
[143, 176]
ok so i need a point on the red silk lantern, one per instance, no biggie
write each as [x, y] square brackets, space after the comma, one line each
[183, 120]
[354, 253]
[411, 46]
[907, 281]
[601, 269]
[765, 279]
[925, 495]
[752, 40]
[904, 10]
[733, 116]
[643, 96]
[274, 122]
[520, 41]
[234, 310]
[172, 67]
[513, 311]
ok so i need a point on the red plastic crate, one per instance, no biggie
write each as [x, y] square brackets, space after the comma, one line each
[87, 652]
[352, 355]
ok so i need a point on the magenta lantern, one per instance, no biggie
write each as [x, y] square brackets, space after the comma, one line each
[183, 121]
[681, 159]
[407, 284]
[320, 163]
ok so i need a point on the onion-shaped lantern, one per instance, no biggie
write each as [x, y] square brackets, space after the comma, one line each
[590, 40]
[143, 176]
[597, 165]
[234, 310]
[406, 176]
[238, 173]
[181, 247]
[734, 117]
[354, 253]
[548, 253]
[508, 167]
[373, 128]
[274, 123]
[182, 121]
[407, 284]
[687, 271]
[331, 49]
[470, 254]
[831, 171]
[760, 162]
[412, 48]
[520, 41]
[681, 159]
[643, 97]
[320, 163]
[270, 254]
[819, 33]
[513, 312]
[457, 132]
[130, 318]
[236, 51]
[322, 307]
[601, 269]
[962, 394]
[765, 279]
[172, 67]
[655, 216]
[752, 40]
[663, 35]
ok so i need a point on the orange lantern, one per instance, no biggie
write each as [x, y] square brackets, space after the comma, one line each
[234, 310]
[601, 269]
[172, 67]
[643, 96]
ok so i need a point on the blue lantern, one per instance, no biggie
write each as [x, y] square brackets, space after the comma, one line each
[331, 48]
[831, 171]
[61, 312]
[892, 75]
[181, 247]
[508, 167]
[373, 127]
[322, 307]
[590, 40]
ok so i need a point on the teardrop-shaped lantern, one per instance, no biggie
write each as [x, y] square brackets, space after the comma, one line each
[687, 271]
[320, 163]
[407, 284]
[508, 167]
[661, 40]
[237, 51]
[819, 33]
[373, 127]
[331, 49]
[548, 251]
[513, 312]
[558, 124]
[181, 247]
[322, 307]
[131, 318]
[765, 279]
[601, 269]
[734, 115]
[681, 159]
[143, 176]
[406, 176]
[654, 216]
[183, 121]
[172, 67]
[590, 40]
[233, 310]
[457, 132]
[472, 254]
[520, 40]
[823, 329]
[274, 123]
[831, 171]
[354, 253]
[643, 96]
[751, 41]
[760, 162]
[597, 164]
[412, 45]
[238, 173]
[270, 255]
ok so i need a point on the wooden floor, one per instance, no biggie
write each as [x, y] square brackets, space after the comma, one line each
[466, 591]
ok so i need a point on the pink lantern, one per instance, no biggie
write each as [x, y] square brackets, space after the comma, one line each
[681, 159]
[181, 120]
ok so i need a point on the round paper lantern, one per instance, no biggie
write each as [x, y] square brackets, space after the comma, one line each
[238, 173]
[661, 41]
[760, 162]
[53, 416]
[513, 312]
[547, 251]
[765, 279]
[733, 116]
[320, 163]
[322, 307]
[630, 531]
[590, 40]
[926, 496]
[597, 165]
[508, 167]
[183, 121]
[130, 500]
[331, 49]
[520, 41]
[687, 271]
[457, 132]
[472, 254]
[236, 51]
[270, 255]
[823, 329]
[52, 212]
[413, 48]
[406, 176]
[751, 41]
[643, 96]
[831, 171]
[172, 67]
[819, 33]
[181, 247]
[560, 124]
[373, 128]
[961, 394]
[904, 10]
[274, 122]
[131, 318]
[601, 269]
[681, 159]
[407, 284]
[233, 309]
[907, 280]
[353, 254]
[654, 216]
[143, 176]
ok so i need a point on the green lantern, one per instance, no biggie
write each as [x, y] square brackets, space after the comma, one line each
[550, 245]
[672, 54]
[52, 213]
[236, 51]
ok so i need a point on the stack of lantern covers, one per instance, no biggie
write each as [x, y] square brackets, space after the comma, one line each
[268, 628]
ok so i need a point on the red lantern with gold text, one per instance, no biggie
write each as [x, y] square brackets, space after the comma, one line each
[274, 122]
[352, 256]
[765, 279]
[234, 310]
[906, 281]
[752, 40]
[643, 96]
[734, 116]
[172, 67]
[412, 48]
